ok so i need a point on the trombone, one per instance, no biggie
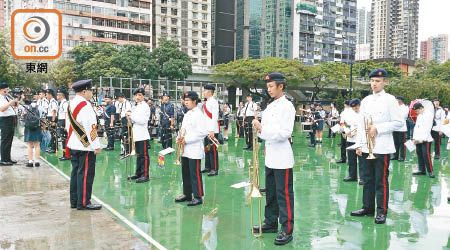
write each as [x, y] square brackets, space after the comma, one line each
[368, 123]
[255, 192]
[180, 148]
[130, 145]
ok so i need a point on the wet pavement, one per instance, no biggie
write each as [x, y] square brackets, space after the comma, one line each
[35, 213]
[419, 214]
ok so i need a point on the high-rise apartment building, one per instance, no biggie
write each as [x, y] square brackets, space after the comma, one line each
[223, 32]
[2, 13]
[363, 27]
[187, 21]
[394, 32]
[435, 48]
[264, 28]
[326, 31]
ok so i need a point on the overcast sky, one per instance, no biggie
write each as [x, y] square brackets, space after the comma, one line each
[434, 17]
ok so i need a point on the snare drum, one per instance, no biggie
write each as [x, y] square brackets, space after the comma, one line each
[333, 122]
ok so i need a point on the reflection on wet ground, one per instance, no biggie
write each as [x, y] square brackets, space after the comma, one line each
[419, 215]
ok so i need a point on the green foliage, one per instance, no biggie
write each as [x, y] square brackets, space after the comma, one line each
[9, 68]
[363, 69]
[62, 73]
[411, 88]
[135, 61]
[171, 62]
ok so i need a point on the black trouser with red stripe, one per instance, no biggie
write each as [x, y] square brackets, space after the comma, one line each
[354, 161]
[62, 133]
[424, 156]
[211, 156]
[82, 177]
[437, 142]
[248, 130]
[142, 158]
[399, 141]
[192, 177]
[376, 183]
[279, 198]
[240, 126]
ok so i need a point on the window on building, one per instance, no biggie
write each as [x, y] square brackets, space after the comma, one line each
[205, 44]
[174, 12]
[194, 52]
[194, 15]
[204, 61]
[204, 34]
[204, 52]
[174, 31]
[195, 6]
[204, 7]
[163, 10]
[205, 16]
[194, 33]
[194, 24]
[204, 25]
[194, 60]
[194, 42]
[184, 42]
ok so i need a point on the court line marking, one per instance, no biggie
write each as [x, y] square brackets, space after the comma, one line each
[141, 233]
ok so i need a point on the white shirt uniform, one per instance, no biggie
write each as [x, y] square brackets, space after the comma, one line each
[88, 120]
[352, 119]
[62, 109]
[386, 116]
[211, 111]
[9, 111]
[343, 114]
[117, 105]
[334, 113]
[43, 103]
[439, 119]
[250, 108]
[195, 125]
[139, 117]
[277, 125]
[52, 106]
[422, 129]
[404, 115]
[240, 111]
[124, 107]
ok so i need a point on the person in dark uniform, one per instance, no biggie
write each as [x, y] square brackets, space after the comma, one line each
[8, 121]
[239, 121]
[167, 121]
[380, 116]
[180, 112]
[211, 112]
[152, 121]
[439, 117]
[354, 160]
[422, 138]
[52, 118]
[276, 128]
[343, 138]
[84, 146]
[62, 114]
[124, 106]
[109, 116]
[193, 131]
[250, 113]
[314, 119]
[139, 116]
[400, 135]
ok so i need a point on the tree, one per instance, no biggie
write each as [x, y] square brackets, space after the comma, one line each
[62, 73]
[84, 53]
[171, 62]
[326, 75]
[9, 68]
[363, 69]
[136, 61]
[100, 65]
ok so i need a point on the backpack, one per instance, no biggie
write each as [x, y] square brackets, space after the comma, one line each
[32, 122]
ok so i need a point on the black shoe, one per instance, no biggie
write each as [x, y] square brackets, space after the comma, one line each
[205, 170]
[29, 164]
[13, 162]
[108, 149]
[362, 212]
[431, 174]
[4, 163]
[419, 173]
[37, 164]
[312, 145]
[401, 159]
[213, 172]
[183, 198]
[73, 206]
[133, 177]
[142, 180]
[380, 219]
[51, 151]
[448, 199]
[349, 179]
[90, 207]
[394, 158]
[262, 190]
[341, 161]
[194, 202]
[283, 238]
[63, 158]
[266, 228]
[436, 157]
[361, 182]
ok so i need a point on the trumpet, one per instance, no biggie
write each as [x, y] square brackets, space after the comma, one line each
[180, 148]
[368, 123]
[130, 139]
[255, 192]
[214, 142]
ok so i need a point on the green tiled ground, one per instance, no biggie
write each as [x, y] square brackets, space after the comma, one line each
[419, 215]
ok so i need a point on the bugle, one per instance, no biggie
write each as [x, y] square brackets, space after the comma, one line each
[255, 192]
[368, 123]
[180, 148]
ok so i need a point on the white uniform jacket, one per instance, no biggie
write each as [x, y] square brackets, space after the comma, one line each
[277, 124]
[62, 109]
[386, 115]
[422, 129]
[194, 123]
[439, 117]
[43, 103]
[52, 106]
[211, 111]
[404, 114]
[352, 119]
[124, 107]
[87, 118]
[140, 116]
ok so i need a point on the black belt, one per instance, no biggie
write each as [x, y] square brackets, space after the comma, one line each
[7, 117]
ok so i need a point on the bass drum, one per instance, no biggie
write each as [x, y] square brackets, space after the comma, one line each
[428, 105]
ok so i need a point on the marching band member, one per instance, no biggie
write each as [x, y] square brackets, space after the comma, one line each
[342, 122]
[276, 128]
[240, 121]
[422, 138]
[436, 131]
[8, 120]
[62, 112]
[109, 116]
[314, 119]
[211, 111]
[43, 102]
[354, 160]
[400, 135]
[226, 115]
[139, 116]
[383, 116]
[167, 121]
[250, 113]
[124, 107]
[51, 117]
[84, 146]
[319, 129]
[334, 114]
[193, 131]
